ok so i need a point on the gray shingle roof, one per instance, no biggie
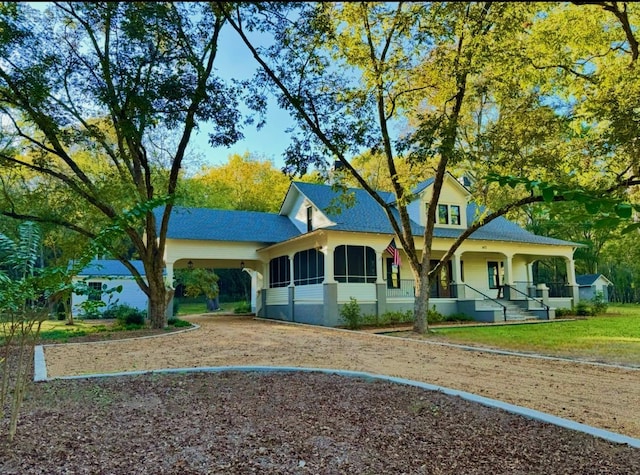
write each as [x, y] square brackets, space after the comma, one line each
[587, 280]
[110, 268]
[368, 216]
[228, 225]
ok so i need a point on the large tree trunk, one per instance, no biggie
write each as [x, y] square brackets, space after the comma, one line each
[157, 299]
[421, 304]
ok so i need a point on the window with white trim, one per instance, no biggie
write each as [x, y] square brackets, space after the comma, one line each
[448, 214]
[95, 291]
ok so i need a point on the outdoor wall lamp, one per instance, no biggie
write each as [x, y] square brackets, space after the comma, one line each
[241, 264]
[190, 264]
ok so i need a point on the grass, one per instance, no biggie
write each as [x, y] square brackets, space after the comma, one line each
[194, 308]
[57, 331]
[613, 337]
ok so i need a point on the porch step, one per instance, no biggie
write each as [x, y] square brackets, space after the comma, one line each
[515, 312]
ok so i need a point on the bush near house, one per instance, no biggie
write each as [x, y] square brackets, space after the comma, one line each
[350, 313]
[126, 315]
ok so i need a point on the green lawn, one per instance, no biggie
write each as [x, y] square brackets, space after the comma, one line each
[194, 308]
[613, 337]
[56, 330]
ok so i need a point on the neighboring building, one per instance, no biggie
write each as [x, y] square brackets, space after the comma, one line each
[101, 275]
[311, 259]
[591, 284]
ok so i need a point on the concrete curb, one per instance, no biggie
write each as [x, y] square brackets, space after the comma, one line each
[40, 365]
[511, 408]
[466, 347]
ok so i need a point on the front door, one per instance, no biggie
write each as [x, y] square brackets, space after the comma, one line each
[442, 284]
[493, 274]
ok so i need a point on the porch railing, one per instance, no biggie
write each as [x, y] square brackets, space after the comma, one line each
[486, 297]
[559, 289]
[528, 297]
[406, 289]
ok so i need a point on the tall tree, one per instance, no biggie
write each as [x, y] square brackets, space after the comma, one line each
[106, 78]
[243, 183]
[352, 73]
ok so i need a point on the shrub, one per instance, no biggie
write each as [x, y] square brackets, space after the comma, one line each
[350, 312]
[176, 322]
[244, 307]
[563, 312]
[125, 315]
[458, 317]
[598, 304]
[433, 316]
[583, 310]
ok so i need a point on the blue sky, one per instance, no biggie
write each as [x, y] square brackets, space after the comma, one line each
[234, 60]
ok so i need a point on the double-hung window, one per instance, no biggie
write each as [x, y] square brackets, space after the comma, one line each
[449, 214]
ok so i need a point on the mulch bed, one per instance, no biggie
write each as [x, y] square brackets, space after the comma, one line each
[210, 423]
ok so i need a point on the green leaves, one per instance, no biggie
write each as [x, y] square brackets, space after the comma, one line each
[608, 210]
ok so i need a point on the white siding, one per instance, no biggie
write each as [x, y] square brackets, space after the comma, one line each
[363, 293]
[278, 296]
[309, 293]
[131, 295]
[298, 215]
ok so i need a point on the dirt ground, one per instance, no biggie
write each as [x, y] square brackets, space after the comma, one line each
[603, 397]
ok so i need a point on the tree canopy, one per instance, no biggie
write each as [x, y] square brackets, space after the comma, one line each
[88, 94]
[509, 93]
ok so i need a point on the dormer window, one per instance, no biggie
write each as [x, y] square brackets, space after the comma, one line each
[309, 219]
[454, 213]
[449, 214]
[443, 214]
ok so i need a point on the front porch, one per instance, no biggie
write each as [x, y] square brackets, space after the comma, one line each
[320, 304]
[311, 285]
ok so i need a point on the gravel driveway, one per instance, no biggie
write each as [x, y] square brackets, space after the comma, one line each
[599, 396]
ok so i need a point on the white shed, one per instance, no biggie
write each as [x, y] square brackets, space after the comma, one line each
[101, 275]
[590, 284]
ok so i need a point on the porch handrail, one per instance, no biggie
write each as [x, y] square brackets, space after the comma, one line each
[504, 307]
[528, 297]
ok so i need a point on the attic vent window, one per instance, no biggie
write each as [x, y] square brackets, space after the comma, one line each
[309, 219]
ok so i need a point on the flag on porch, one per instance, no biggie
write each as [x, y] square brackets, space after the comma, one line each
[393, 250]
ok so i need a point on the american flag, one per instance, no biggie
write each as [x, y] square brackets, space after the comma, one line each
[393, 250]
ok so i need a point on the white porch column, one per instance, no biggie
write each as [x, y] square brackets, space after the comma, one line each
[291, 270]
[508, 269]
[169, 285]
[529, 273]
[531, 288]
[571, 270]
[328, 265]
[379, 275]
[456, 277]
[457, 268]
[571, 279]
